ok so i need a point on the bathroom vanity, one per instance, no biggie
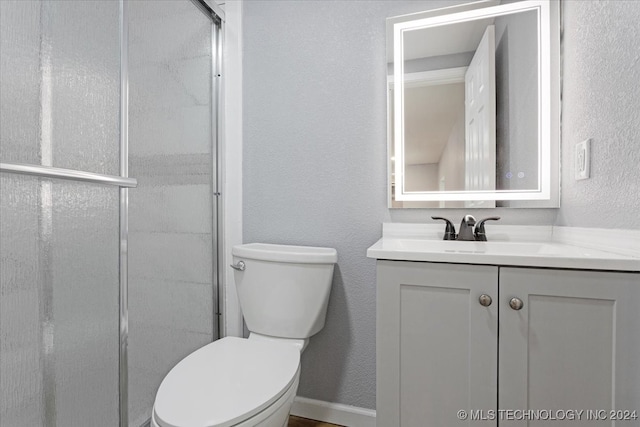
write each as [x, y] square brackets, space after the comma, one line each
[488, 333]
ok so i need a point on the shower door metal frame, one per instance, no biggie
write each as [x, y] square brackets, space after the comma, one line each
[123, 361]
[212, 11]
[217, 30]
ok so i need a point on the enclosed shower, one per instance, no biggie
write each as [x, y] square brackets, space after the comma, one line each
[108, 203]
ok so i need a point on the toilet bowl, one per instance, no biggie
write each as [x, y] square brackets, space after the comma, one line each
[246, 382]
[230, 382]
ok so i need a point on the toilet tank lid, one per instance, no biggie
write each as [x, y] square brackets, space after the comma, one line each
[286, 253]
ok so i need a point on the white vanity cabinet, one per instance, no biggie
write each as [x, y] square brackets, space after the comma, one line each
[448, 339]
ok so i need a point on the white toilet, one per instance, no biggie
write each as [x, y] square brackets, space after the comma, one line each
[283, 293]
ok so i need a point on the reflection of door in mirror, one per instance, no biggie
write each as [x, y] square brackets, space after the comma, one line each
[434, 141]
[450, 121]
[480, 120]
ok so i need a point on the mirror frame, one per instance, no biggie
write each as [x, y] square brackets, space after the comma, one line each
[548, 191]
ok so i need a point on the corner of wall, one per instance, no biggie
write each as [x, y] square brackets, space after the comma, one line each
[231, 159]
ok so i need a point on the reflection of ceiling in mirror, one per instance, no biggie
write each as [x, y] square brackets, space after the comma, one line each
[444, 40]
[453, 7]
[430, 114]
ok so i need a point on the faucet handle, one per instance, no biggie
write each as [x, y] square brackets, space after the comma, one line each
[449, 231]
[480, 234]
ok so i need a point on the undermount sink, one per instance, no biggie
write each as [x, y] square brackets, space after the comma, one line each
[498, 248]
[544, 252]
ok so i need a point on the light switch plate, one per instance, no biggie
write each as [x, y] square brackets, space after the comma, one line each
[583, 159]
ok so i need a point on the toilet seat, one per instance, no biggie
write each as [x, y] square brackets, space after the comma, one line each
[225, 383]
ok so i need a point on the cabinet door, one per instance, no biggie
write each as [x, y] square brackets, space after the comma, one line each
[436, 344]
[574, 344]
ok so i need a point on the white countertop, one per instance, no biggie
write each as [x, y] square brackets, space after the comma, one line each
[529, 246]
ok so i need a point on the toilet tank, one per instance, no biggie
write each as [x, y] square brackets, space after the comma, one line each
[284, 290]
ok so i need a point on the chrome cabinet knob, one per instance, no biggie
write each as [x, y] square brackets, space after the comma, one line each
[485, 300]
[516, 303]
[239, 266]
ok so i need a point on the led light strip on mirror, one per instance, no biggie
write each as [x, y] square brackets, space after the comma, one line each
[548, 106]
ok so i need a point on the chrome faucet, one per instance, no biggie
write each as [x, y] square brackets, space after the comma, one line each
[467, 230]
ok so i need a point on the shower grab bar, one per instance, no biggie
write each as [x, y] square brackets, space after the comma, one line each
[51, 172]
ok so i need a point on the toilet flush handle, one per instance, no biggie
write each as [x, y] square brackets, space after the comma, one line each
[239, 266]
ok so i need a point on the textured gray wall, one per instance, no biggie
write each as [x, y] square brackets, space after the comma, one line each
[314, 168]
[601, 100]
[315, 151]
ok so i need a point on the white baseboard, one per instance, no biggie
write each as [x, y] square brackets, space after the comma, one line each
[335, 413]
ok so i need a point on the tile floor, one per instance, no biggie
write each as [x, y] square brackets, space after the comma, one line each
[304, 422]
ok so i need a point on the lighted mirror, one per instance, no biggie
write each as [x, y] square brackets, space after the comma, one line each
[474, 106]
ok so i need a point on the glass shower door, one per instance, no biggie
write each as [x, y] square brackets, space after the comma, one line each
[103, 290]
[59, 311]
[171, 224]
[59, 240]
